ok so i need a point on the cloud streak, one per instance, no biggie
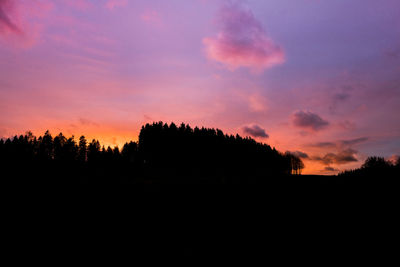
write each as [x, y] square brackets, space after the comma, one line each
[355, 141]
[342, 157]
[21, 21]
[340, 143]
[79, 4]
[242, 41]
[309, 120]
[330, 169]
[111, 4]
[299, 154]
[7, 17]
[255, 131]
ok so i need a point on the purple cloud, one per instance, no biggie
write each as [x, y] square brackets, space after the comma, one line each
[299, 154]
[309, 121]
[242, 41]
[255, 131]
[323, 144]
[343, 157]
[355, 141]
[340, 143]
[330, 169]
[341, 97]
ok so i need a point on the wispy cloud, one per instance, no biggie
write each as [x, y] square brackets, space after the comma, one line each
[79, 4]
[151, 17]
[340, 143]
[111, 4]
[355, 141]
[8, 17]
[257, 103]
[19, 23]
[242, 41]
[86, 122]
[347, 125]
[338, 99]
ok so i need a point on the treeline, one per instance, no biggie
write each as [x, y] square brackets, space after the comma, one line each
[164, 153]
[375, 167]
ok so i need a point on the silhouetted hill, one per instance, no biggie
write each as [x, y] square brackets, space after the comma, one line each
[165, 154]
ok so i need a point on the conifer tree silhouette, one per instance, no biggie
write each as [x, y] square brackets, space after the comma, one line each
[165, 153]
[82, 150]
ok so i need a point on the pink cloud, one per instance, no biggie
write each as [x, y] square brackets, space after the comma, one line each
[242, 41]
[111, 4]
[394, 159]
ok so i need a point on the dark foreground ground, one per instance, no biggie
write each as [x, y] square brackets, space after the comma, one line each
[53, 175]
[287, 220]
[118, 208]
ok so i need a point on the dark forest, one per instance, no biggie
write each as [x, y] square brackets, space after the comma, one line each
[164, 154]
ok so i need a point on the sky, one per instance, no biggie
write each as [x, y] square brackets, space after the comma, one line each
[318, 78]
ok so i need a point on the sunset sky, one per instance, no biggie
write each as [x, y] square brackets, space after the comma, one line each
[319, 78]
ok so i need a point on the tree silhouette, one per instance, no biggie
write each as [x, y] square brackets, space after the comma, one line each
[82, 150]
[376, 163]
[70, 149]
[45, 146]
[374, 167]
[129, 152]
[59, 143]
[296, 163]
[93, 151]
[164, 153]
[116, 154]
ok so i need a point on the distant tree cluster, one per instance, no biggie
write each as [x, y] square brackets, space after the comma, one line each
[163, 151]
[375, 167]
[297, 164]
[55, 157]
[46, 148]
